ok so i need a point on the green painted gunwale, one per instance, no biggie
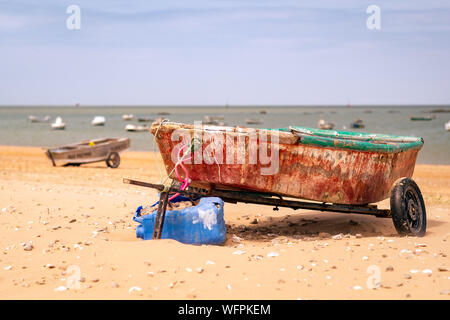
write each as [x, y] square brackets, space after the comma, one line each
[371, 142]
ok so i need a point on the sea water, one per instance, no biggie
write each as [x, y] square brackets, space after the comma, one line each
[15, 129]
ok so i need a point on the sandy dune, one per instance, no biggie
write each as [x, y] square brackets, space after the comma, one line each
[60, 224]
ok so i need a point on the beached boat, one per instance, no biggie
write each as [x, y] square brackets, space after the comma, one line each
[322, 165]
[357, 124]
[58, 124]
[98, 121]
[136, 128]
[334, 170]
[87, 151]
[128, 117]
[447, 126]
[421, 118]
[325, 125]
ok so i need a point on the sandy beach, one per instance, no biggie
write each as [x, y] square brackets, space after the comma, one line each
[62, 223]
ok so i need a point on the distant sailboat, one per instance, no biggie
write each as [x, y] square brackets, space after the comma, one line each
[447, 126]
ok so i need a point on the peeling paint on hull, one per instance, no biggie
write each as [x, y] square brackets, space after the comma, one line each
[341, 176]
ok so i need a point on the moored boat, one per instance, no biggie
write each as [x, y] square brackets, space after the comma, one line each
[357, 124]
[254, 121]
[98, 121]
[136, 128]
[322, 124]
[421, 118]
[322, 165]
[215, 120]
[128, 117]
[34, 119]
[58, 124]
[144, 119]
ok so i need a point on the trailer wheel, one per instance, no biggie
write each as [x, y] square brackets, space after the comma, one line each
[113, 160]
[408, 208]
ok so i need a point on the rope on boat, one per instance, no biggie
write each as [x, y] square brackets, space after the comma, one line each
[184, 182]
[154, 153]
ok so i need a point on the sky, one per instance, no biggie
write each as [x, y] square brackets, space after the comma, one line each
[217, 52]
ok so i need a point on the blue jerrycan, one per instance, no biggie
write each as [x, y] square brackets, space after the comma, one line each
[200, 224]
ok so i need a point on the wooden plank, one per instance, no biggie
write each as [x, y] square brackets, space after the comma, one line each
[160, 215]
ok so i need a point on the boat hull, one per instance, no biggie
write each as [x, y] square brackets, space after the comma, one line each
[334, 175]
[84, 152]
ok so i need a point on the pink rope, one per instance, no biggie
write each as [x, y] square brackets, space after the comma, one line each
[185, 182]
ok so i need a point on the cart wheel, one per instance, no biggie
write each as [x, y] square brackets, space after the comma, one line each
[113, 160]
[408, 208]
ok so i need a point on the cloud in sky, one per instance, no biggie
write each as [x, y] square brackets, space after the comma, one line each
[209, 52]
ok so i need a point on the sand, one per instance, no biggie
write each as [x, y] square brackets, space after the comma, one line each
[60, 224]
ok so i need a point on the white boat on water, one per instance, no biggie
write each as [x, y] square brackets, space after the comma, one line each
[98, 121]
[34, 119]
[322, 124]
[128, 117]
[135, 128]
[58, 124]
[447, 126]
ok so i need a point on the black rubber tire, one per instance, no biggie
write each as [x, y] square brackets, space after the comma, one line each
[408, 208]
[113, 160]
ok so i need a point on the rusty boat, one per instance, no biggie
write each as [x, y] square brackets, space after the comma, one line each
[328, 170]
[88, 151]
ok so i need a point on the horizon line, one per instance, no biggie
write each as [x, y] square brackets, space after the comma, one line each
[224, 106]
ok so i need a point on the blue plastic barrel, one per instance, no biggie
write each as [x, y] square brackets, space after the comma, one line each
[200, 224]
